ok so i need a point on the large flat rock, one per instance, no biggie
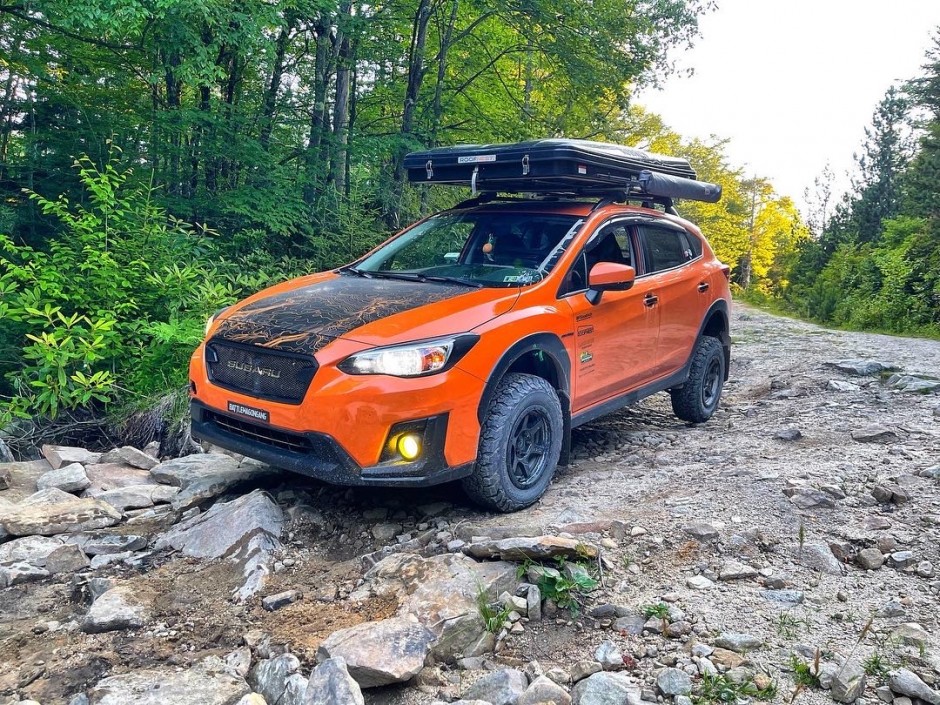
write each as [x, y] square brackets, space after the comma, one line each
[58, 518]
[29, 549]
[66, 455]
[22, 478]
[119, 608]
[536, 548]
[204, 476]
[112, 476]
[441, 592]
[380, 653]
[246, 530]
[199, 685]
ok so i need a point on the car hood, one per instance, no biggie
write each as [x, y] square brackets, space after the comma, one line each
[303, 316]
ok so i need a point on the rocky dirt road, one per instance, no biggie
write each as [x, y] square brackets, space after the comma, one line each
[788, 550]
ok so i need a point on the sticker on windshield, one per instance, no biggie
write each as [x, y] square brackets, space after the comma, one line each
[511, 278]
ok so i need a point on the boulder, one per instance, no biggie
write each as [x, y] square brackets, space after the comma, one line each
[68, 478]
[246, 530]
[738, 642]
[269, 677]
[206, 475]
[848, 683]
[908, 683]
[672, 682]
[862, 368]
[66, 455]
[203, 684]
[29, 549]
[50, 495]
[119, 608]
[17, 573]
[138, 496]
[59, 518]
[606, 688]
[818, 557]
[544, 691]
[536, 548]
[870, 558]
[441, 592]
[502, 687]
[66, 559]
[112, 476]
[875, 434]
[128, 455]
[108, 545]
[330, 683]
[380, 653]
[733, 570]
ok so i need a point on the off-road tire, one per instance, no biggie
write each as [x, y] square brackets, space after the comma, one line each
[698, 398]
[520, 399]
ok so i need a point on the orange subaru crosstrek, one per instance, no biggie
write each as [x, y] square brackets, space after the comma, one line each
[469, 345]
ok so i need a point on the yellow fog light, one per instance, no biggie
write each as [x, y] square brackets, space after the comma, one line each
[409, 445]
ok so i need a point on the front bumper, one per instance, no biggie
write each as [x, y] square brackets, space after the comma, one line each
[318, 455]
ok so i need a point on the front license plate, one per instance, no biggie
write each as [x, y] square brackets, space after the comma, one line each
[249, 411]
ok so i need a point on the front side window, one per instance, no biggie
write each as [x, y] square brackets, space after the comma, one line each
[479, 248]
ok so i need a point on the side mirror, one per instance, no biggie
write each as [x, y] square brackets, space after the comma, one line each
[609, 276]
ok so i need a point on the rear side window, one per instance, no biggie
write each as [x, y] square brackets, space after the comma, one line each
[666, 248]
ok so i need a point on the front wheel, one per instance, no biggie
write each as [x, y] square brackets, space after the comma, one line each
[697, 399]
[520, 443]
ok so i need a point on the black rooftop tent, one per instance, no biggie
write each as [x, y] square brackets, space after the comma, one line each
[562, 167]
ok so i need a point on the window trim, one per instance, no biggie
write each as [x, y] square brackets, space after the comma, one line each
[630, 221]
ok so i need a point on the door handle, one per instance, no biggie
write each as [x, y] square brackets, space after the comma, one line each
[703, 287]
[650, 300]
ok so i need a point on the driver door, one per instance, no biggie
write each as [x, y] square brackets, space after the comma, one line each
[615, 340]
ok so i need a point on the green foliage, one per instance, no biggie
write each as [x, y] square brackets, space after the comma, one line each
[117, 303]
[493, 614]
[804, 674]
[565, 584]
[719, 688]
[876, 262]
[877, 666]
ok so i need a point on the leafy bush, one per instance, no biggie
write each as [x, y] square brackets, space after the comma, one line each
[115, 307]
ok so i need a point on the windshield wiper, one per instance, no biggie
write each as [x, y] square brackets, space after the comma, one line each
[407, 277]
[357, 272]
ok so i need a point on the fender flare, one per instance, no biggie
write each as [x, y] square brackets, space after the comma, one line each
[551, 346]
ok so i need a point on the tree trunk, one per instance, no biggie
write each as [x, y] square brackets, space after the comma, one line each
[317, 114]
[338, 172]
[416, 71]
[269, 102]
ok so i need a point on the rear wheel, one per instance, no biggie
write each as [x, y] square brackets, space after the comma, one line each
[698, 398]
[520, 444]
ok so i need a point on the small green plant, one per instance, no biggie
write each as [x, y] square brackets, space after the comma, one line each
[801, 536]
[876, 666]
[718, 688]
[564, 585]
[659, 609]
[788, 626]
[493, 614]
[805, 675]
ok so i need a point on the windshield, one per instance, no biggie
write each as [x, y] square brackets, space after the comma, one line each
[475, 248]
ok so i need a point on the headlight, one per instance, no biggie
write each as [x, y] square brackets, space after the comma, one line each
[411, 360]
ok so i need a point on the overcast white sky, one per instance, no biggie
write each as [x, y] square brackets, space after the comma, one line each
[793, 83]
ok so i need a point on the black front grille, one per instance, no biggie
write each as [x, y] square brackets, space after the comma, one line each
[260, 434]
[259, 372]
